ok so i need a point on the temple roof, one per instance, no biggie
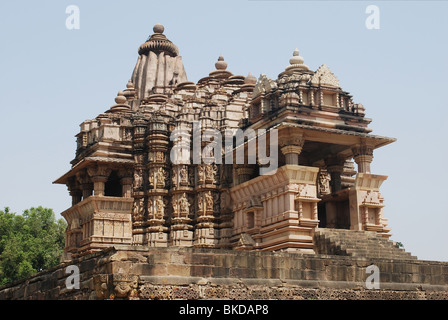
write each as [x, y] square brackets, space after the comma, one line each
[159, 67]
[158, 42]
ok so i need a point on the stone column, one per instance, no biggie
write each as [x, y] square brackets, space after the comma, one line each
[157, 141]
[99, 183]
[291, 144]
[292, 154]
[85, 183]
[244, 173]
[99, 176]
[335, 167]
[87, 189]
[363, 156]
[76, 196]
[126, 183]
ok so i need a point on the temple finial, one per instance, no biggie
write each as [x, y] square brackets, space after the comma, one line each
[158, 28]
[221, 64]
[296, 62]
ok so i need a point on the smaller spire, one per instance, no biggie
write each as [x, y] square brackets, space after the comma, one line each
[296, 58]
[120, 99]
[221, 72]
[121, 103]
[130, 85]
[296, 62]
[221, 64]
[250, 79]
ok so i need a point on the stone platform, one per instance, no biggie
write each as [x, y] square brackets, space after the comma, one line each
[127, 272]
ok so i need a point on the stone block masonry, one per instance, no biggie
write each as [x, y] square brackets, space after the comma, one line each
[127, 272]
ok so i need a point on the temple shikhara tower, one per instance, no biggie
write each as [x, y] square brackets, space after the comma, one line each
[134, 180]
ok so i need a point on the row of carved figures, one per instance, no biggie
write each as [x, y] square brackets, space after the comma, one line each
[207, 203]
[181, 175]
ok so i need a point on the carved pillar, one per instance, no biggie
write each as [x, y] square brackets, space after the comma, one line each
[86, 184]
[126, 183]
[75, 190]
[157, 141]
[87, 189]
[291, 154]
[182, 178]
[99, 176]
[76, 196]
[205, 234]
[99, 183]
[363, 156]
[335, 167]
[205, 231]
[291, 145]
[244, 173]
[181, 229]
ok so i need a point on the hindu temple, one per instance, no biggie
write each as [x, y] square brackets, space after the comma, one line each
[235, 187]
[126, 188]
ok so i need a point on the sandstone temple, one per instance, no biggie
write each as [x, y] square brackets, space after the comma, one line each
[127, 190]
[232, 187]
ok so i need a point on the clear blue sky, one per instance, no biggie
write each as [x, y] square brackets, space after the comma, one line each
[53, 78]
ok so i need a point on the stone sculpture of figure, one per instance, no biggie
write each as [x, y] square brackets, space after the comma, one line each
[184, 205]
[200, 173]
[138, 179]
[191, 175]
[175, 207]
[174, 177]
[160, 209]
[201, 204]
[160, 178]
[138, 209]
[128, 135]
[159, 156]
[183, 175]
[209, 201]
[324, 183]
[151, 178]
[210, 173]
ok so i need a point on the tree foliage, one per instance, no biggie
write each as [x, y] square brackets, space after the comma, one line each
[29, 243]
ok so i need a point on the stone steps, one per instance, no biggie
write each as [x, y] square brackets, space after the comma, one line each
[357, 244]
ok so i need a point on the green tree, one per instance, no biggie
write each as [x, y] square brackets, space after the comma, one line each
[29, 243]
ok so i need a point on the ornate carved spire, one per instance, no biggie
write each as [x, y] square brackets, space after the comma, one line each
[159, 67]
[221, 66]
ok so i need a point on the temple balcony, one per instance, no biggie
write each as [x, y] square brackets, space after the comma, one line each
[278, 211]
[98, 222]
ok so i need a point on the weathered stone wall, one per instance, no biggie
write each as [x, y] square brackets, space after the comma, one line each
[180, 273]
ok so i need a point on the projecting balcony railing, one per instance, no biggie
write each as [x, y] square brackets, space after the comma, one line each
[103, 221]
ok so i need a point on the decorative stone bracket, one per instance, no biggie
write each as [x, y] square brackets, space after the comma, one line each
[366, 204]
